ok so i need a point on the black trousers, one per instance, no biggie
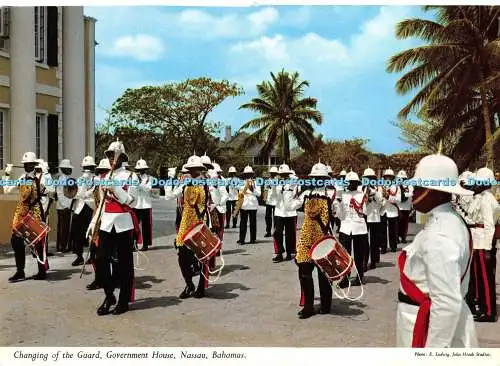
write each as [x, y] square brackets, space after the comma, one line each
[377, 237]
[288, 225]
[18, 247]
[145, 217]
[482, 290]
[337, 223]
[391, 229]
[230, 205]
[187, 260]
[403, 222]
[63, 229]
[270, 219]
[121, 245]
[245, 216]
[359, 244]
[307, 287]
[80, 225]
[95, 264]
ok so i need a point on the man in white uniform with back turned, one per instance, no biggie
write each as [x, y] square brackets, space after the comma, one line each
[434, 269]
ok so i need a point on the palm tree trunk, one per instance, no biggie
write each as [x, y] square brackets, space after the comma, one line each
[487, 128]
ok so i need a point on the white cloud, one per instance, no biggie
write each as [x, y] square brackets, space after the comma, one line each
[323, 60]
[141, 47]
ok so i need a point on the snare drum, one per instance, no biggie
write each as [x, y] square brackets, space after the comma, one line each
[331, 257]
[202, 241]
[31, 230]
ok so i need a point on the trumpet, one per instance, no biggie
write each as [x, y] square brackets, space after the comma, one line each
[241, 196]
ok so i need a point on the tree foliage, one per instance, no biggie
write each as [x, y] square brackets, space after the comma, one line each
[286, 116]
[178, 111]
[457, 75]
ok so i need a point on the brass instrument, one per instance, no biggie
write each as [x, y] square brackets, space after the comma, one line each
[241, 196]
[264, 194]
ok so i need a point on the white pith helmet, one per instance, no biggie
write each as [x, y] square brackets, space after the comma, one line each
[248, 170]
[141, 164]
[352, 177]
[194, 161]
[439, 167]
[402, 174]
[88, 161]
[171, 172]
[284, 169]
[273, 170]
[65, 164]
[369, 172]
[104, 165]
[388, 173]
[232, 169]
[29, 157]
[319, 170]
[116, 147]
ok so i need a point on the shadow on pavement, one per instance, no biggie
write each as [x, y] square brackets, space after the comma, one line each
[223, 291]
[233, 251]
[345, 307]
[145, 282]
[5, 266]
[376, 279]
[61, 274]
[155, 302]
[160, 247]
[228, 268]
[385, 264]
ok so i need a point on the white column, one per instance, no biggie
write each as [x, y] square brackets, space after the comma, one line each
[73, 85]
[22, 82]
[90, 74]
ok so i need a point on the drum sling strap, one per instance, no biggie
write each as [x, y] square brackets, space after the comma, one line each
[417, 298]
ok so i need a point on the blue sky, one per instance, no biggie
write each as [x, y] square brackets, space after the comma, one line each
[341, 50]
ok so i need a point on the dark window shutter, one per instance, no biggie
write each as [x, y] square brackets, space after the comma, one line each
[52, 36]
[53, 142]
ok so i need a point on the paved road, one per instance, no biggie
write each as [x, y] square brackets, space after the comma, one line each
[253, 304]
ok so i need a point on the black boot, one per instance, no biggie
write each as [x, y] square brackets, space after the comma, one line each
[93, 286]
[188, 291]
[109, 301]
[78, 261]
[41, 275]
[18, 276]
[307, 286]
[120, 309]
[199, 293]
[278, 258]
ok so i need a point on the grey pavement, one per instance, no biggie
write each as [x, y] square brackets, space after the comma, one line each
[254, 303]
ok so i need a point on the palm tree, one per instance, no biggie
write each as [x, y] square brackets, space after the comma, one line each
[456, 71]
[284, 115]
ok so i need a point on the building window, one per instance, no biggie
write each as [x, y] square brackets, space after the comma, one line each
[4, 28]
[2, 134]
[38, 133]
[40, 33]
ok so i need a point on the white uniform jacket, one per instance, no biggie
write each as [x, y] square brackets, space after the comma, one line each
[390, 206]
[63, 202]
[373, 204]
[143, 199]
[232, 189]
[250, 201]
[85, 194]
[484, 210]
[124, 195]
[219, 197]
[284, 195]
[436, 260]
[407, 204]
[352, 221]
[271, 198]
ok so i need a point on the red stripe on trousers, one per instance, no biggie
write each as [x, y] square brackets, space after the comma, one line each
[275, 245]
[205, 271]
[302, 298]
[132, 291]
[476, 278]
[485, 282]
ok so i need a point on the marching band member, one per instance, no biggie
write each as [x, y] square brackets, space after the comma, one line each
[247, 199]
[101, 171]
[29, 203]
[117, 227]
[232, 191]
[340, 189]
[317, 207]
[434, 268]
[83, 208]
[219, 196]
[270, 202]
[390, 210]
[143, 204]
[169, 188]
[286, 219]
[463, 204]
[377, 234]
[194, 210]
[353, 229]
[64, 207]
[331, 190]
[484, 214]
[404, 207]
